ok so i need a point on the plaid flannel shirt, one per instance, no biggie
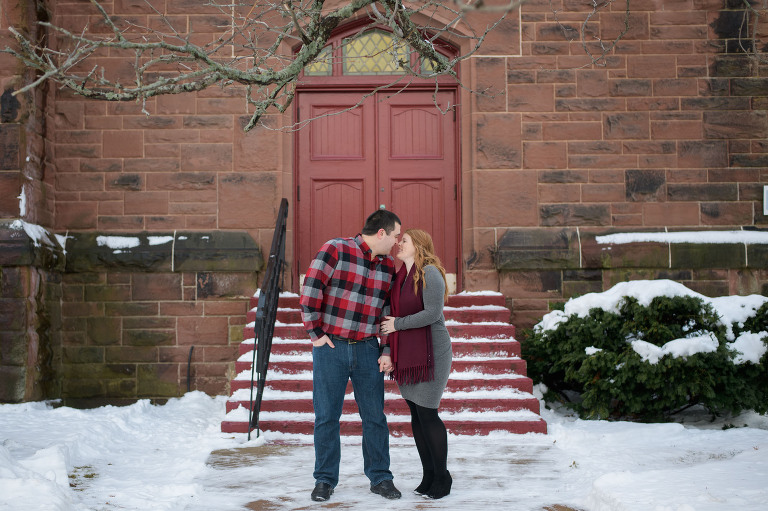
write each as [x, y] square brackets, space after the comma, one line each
[344, 291]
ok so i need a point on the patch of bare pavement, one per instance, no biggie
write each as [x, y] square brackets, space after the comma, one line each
[272, 477]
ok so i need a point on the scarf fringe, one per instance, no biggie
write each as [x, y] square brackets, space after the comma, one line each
[415, 374]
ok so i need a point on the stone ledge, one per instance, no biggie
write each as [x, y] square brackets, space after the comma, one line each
[24, 244]
[570, 248]
[154, 251]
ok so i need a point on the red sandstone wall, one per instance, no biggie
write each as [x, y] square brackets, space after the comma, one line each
[668, 134]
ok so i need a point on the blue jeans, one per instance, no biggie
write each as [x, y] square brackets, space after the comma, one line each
[332, 369]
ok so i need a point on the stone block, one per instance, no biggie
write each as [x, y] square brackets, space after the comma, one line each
[575, 214]
[505, 197]
[726, 213]
[199, 331]
[123, 144]
[531, 98]
[145, 337]
[98, 372]
[218, 251]
[103, 331]
[544, 155]
[206, 157]
[498, 142]
[128, 182]
[156, 286]
[181, 181]
[242, 203]
[736, 124]
[707, 255]
[12, 384]
[757, 256]
[630, 125]
[10, 155]
[107, 293]
[563, 176]
[664, 214]
[82, 355]
[81, 388]
[13, 349]
[121, 391]
[158, 380]
[624, 255]
[575, 288]
[703, 192]
[530, 284]
[702, 153]
[226, 285]
[10, 189]
[645, 185]
[578, 104]
[520, 249]
[129, 354]
[748, 160]
[750, 87]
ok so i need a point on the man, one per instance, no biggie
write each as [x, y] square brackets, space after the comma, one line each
[344, 292]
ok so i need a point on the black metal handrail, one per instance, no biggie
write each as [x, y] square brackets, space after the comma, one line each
[266, 314]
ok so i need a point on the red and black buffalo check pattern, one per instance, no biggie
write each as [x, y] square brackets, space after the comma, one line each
[345, 291]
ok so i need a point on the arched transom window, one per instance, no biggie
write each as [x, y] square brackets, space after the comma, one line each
[374, 52]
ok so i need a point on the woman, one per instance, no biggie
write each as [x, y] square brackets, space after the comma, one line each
[420, 351]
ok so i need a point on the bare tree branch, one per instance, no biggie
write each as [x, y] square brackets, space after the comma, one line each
[264, 46]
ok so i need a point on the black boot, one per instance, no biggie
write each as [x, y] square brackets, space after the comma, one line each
[426, 482]
[441, 486]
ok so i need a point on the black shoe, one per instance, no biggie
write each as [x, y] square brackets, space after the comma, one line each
[322, 492]
[441, 487]
[426, 482]
[387, 490]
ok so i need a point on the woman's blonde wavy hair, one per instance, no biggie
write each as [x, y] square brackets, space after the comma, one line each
[425, 254]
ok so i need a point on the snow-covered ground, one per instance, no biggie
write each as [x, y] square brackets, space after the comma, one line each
[174, 457]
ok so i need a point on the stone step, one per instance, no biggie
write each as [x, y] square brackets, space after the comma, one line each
[393, 403]
[475, 346]
[488, 389]
[472, 314]
[470, 381]
[487, 330]
[291, 300]
[293, 364]
[462, 423]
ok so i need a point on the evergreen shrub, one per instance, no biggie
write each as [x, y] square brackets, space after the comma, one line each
[637, 364]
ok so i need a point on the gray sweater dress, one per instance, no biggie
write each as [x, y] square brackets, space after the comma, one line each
[428, 393]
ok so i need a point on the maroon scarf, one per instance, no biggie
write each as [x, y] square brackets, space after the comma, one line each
[411, 349]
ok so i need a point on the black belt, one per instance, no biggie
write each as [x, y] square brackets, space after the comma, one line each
[350, 341]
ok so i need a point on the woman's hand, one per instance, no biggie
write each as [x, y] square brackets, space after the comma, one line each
[387, 325]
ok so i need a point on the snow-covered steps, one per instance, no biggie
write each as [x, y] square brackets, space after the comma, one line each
[488, 389]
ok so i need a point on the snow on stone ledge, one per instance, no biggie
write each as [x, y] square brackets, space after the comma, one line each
[746, 237]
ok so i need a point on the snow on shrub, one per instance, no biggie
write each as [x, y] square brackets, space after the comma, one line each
[646, 349]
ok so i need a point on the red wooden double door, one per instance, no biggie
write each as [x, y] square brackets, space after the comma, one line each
[394, 151]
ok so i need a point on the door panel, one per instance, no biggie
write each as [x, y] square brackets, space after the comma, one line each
[417, 167]
[348, 200]
[336, 169]
[397, 151]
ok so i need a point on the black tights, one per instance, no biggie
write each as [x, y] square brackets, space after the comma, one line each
[431, 439]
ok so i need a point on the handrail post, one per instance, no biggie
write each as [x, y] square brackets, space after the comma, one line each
[266, 314]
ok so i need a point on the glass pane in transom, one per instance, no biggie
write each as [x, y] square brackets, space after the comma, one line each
[322, 65]
[374, 53]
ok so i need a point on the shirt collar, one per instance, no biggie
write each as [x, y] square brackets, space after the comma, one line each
[366, 249]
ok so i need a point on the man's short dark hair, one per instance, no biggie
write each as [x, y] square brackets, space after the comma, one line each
[380, 219]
